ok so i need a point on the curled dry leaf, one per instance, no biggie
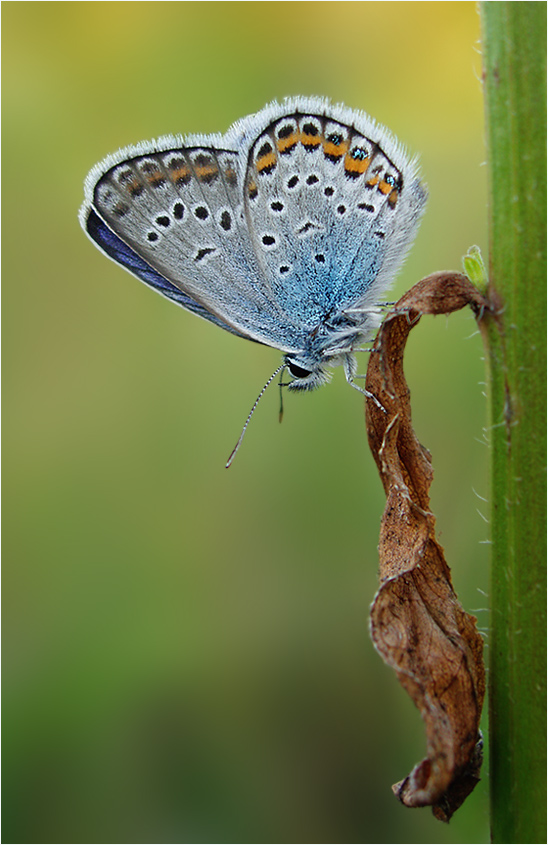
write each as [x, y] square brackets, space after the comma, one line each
[417, 623]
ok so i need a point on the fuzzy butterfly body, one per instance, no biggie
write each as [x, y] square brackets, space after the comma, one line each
[286, 230]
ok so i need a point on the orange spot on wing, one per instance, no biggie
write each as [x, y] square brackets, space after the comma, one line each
[309, 140]
[266, 162]
[155, 178]
[230, 176]
[353, 165]
[284, 144]
[338, 150]
[206, 171]
[134, 187]
[180, 174]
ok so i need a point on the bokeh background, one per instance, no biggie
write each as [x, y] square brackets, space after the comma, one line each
[186, 649]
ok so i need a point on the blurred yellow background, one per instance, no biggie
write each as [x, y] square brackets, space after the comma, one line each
[186, 649]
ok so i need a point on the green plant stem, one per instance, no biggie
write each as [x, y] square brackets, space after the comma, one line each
[514, 56]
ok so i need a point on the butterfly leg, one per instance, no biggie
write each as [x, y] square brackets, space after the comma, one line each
[350, 367]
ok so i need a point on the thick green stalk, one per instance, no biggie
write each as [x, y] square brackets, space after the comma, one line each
[514, 48]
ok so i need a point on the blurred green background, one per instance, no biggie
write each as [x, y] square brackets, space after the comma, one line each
[186, 649]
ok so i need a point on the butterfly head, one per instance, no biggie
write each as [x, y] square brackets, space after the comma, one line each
[306, 374]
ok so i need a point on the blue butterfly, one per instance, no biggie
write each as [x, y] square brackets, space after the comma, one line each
[285, 231]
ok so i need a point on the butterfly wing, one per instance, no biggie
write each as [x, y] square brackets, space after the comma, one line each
[171, 213]
[333, 204]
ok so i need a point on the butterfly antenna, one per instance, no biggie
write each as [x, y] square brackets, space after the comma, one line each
[257, 400]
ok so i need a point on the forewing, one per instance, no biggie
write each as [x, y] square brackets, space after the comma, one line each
[177, 214]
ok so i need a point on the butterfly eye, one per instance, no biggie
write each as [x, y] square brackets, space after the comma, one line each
[296, 371]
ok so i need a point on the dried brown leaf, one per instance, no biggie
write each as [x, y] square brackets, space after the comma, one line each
[417, 623]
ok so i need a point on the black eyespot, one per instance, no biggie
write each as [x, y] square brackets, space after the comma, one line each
[284, 268]
[203, 253]
[277, 206]
[320, 258]
[341, 209]
[201, 212]
[268, 240]
[285, 131]
[163, 220]
[312, 179]
[329, 191]
[152, 236]
[226, 221]
[292, 182]
[178, 210]
[364, 206]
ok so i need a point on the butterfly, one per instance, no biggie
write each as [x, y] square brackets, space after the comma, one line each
[285, 231]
